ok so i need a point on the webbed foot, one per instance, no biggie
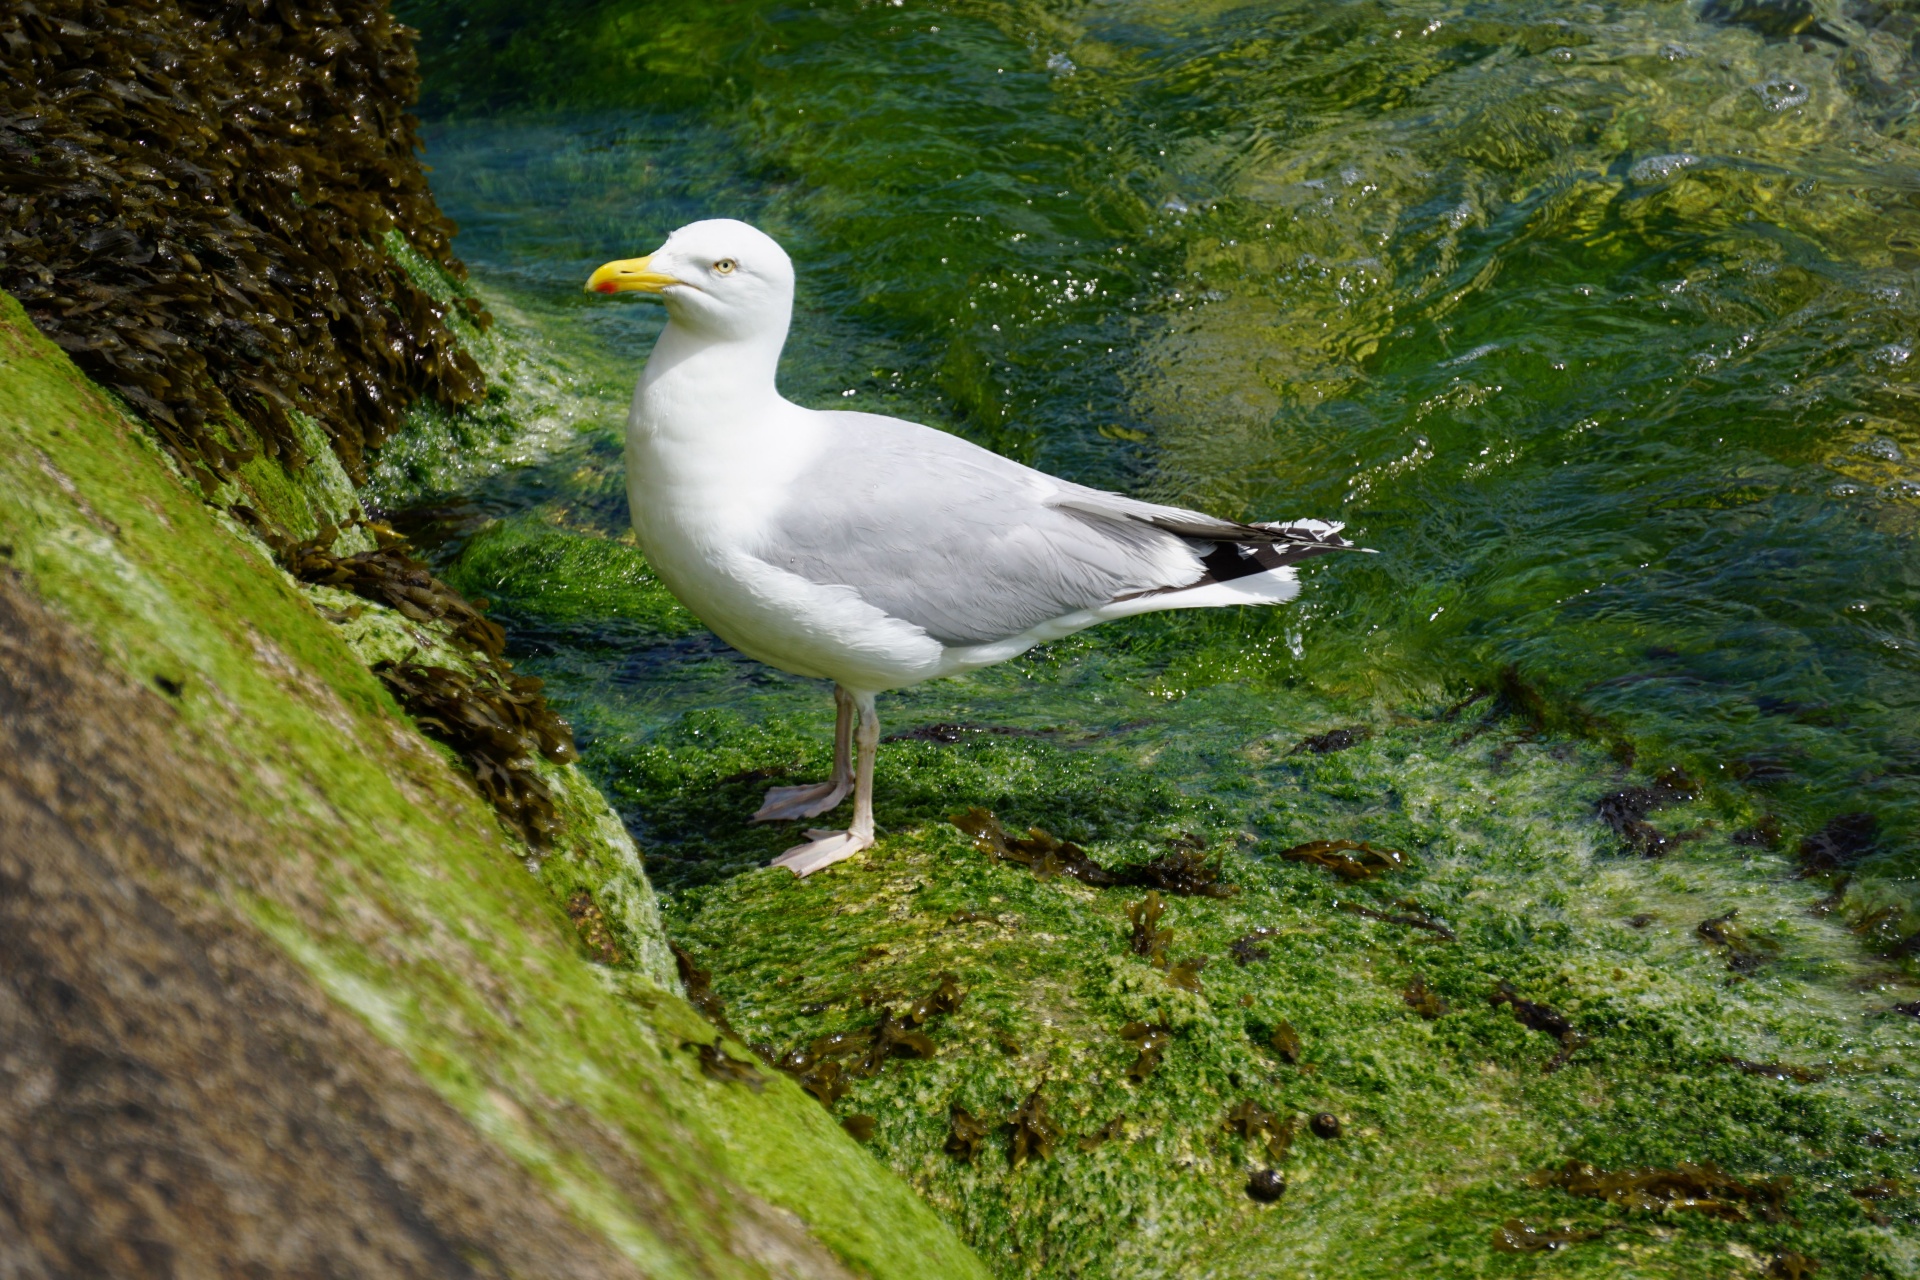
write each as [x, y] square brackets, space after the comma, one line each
[784, 804]
[823, 849]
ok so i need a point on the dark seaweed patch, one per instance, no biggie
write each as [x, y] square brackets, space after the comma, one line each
[194, 199]
[1114, 1128]
[966, 1133]
[1543, 1018]
[1034, 1131]
[1286, 1041]
[1789, 1265]
[1625, 812]
[1744, 953]
[1254, 1123]
[1424, 1000]
[1185, 869]
[1321, 744]
[1764, 834]
[1700, 1188]
[591, 923]
[1515, 1236]
[1774, 1070]
[1151, 1039]
[1148, 940]
[1186, 974]
[699, 987]
[1436, 927]
[827, 1063]
[391, 577]
[948, 734]
[716, 1065]
[860, 1127]
[1246, 949]
[498, 723]
[1841, 843]
[1348, 859]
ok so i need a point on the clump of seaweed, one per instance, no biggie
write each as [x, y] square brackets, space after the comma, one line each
[1625, 812]
[1254, 1123]
[715, 1064]
[1791, 1265]
[196, 202]
[1148, 940]
[1842, 842]
[859, 1127]
[1348, 859]
[498, 722]
[1543, 1018]
[391, 577]
[1034, 1131]
[1424, 1000]
[1039, 852]
[1436, 927]
[1246, 950]
[1515, 1236]
[1285, 1041]
[1186, 974]
[1151, 1039]
[828, 1062]
[1744, 953]
[698, 983]
[591, 922]
[966, 1133]
[1699, 1188]
[1185, 869]
[1114, 1128]
[1774, 1070]
[1322, 744]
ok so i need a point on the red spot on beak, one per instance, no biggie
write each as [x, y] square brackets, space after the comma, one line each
[609, 287]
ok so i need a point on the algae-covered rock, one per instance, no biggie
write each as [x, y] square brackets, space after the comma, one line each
[303, 955]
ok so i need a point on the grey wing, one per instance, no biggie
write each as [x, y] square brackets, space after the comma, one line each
[965, 544]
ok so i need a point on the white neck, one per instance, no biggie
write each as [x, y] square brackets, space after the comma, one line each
[697, 386]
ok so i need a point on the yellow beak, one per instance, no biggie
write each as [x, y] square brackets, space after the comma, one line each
[629, 273]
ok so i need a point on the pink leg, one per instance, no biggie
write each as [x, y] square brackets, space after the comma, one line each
[824, 848]
[813, 799]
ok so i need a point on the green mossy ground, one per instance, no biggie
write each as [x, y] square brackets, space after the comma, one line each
[394, 884]
[1161, 727]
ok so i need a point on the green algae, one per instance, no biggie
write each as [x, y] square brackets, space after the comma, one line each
[550, 576]
[394, 886]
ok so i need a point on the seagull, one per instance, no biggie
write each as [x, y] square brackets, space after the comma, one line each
[870, 551]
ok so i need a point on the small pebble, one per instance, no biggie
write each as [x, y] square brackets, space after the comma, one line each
[1325, 1125]
[1266, 1186]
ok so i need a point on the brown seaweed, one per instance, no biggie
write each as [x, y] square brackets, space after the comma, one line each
[828, 1062]
[498, 723]
[1148, 939]
[1625, 812]
[1285, 1041]
[1543, 1018]
[1245, 949]
[1151, 1039]
[1764, 834]
[1774, 1070]
[1114, 1128]
[1348, 859]
[1423, 1000]
[1186, 974]
[715, 1064]
[1699, 1188]
[195, 203]
[591, 922]
[1254, 1123]
[860, 1127]
[699, 986]
[1789, 1265]
[387, 576]
[966, 1134]
[1034, 1131]
[1515, 1236]
[1321, 744]
[1266, 1186]
[1842, 842]
[1184, 869]
[1437, 928]
[1039, 852]
[1744, 953]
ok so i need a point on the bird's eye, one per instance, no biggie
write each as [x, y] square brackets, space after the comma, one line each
[724, 267]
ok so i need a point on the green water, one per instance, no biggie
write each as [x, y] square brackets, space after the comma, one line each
[1597, 321]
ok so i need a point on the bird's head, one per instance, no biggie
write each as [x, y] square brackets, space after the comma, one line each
[719, 278]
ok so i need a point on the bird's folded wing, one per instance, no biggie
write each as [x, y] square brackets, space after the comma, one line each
[963, 543]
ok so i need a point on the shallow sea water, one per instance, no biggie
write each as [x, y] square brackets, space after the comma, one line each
[1596, 321]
